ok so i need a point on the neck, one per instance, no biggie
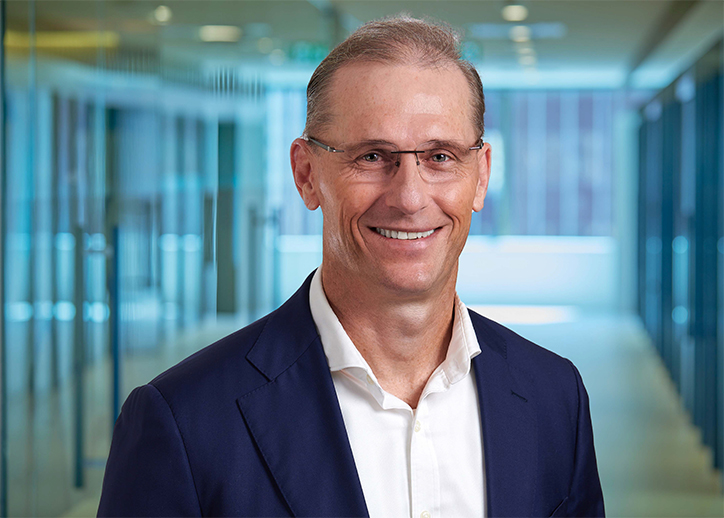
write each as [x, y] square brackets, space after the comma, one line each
[403, 338]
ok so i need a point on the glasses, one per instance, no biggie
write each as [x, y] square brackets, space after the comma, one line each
[437, 161]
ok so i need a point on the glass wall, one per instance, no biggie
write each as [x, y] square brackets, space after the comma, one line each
[681, 248]
[137, 227]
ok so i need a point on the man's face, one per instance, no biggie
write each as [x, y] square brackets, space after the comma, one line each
[406, 108]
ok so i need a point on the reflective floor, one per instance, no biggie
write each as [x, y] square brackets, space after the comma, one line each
[650, 458]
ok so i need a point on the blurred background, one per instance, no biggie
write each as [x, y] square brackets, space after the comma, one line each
[148, 209]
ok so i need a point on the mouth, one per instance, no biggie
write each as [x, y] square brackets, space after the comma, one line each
[400, 234]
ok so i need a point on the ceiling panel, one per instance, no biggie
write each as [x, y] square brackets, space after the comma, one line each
[602, 35]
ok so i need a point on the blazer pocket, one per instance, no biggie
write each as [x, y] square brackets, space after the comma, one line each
[561, 509]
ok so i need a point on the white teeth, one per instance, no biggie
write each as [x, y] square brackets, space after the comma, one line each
[399, 234]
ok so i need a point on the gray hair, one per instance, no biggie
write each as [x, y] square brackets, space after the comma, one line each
[395, 40]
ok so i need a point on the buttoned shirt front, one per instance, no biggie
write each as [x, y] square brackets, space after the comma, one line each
[425, 462]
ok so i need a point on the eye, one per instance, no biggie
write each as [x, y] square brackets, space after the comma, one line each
[371, 157]
[440, 157]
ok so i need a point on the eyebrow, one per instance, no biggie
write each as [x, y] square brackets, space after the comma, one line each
[444, 143]
[380, 142]
[370, 142]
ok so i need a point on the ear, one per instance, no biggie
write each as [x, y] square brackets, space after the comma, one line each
[484, 156]
[304, 174]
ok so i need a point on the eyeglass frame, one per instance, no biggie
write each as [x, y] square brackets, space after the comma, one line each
[331, 149]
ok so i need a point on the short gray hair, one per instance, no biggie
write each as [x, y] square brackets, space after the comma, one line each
[396, 40]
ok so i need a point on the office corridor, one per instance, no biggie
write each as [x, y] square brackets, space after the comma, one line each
[651, 460]
[148, 208]
[650, 457]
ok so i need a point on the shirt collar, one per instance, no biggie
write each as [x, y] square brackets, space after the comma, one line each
[339, 349]
[342, 354]
[463, 344]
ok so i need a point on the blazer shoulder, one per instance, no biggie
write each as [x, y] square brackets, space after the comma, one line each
[507, 342]
[221, 363]
[246, 359]
[539, 365]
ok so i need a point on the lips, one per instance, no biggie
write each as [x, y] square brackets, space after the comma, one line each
[400, 234]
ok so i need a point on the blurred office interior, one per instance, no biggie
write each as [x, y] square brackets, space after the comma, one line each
[148, 209]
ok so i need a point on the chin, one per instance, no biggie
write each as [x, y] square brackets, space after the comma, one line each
[409, 280]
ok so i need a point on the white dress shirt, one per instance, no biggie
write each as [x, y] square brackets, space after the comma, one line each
[427, 462]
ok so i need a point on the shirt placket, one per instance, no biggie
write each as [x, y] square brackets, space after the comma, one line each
[424, 478]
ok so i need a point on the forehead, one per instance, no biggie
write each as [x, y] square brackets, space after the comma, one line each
[400, 103]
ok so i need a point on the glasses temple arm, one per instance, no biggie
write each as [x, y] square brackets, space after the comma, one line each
[323, 145]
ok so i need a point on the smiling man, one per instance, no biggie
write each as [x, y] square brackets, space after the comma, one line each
[373, 390]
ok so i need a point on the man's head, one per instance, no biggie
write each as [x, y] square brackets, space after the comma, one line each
[357, 163]
[392, 41]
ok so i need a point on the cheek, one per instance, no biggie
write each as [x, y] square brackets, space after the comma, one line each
[457, 203]
[343, 204]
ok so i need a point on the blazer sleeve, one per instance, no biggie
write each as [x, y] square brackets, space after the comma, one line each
[585, 497]
[148, 471]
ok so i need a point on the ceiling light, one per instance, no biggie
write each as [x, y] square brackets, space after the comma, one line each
[220, 33]
[525, 49]
[520, 33]
[515, 13]
[526, 61]
[277, 57]
[62, 39]
[265, 45]
[162, 14]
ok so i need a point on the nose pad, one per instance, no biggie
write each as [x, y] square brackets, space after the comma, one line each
[399, 154]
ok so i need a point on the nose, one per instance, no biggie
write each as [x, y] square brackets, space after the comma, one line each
[407, 191]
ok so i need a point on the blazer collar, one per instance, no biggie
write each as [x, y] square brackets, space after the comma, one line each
[288, 333]
[509, 426]
[295, 418]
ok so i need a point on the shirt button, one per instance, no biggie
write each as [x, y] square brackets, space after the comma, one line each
[370, 380]
[424, 514]
[418, 427]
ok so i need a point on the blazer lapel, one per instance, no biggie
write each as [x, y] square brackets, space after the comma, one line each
[510, 439]
[295, 419]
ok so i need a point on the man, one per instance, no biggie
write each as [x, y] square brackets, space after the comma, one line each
[373, 390]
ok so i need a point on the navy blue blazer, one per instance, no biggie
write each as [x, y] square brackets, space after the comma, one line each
[251, 426]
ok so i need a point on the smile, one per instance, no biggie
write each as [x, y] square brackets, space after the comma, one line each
[399, 234]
